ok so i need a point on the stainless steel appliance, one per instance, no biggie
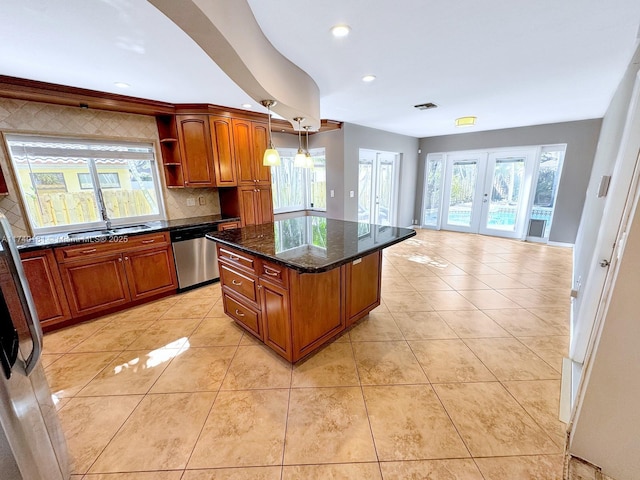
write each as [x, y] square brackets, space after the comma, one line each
[195, 256]
[32, 446]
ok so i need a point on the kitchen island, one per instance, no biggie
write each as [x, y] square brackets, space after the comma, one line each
[296, 284]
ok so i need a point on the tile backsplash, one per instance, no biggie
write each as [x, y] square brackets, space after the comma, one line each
[20, 116]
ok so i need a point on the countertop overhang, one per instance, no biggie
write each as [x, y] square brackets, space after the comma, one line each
[311, 244]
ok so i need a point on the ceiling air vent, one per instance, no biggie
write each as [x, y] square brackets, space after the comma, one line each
[426, 106]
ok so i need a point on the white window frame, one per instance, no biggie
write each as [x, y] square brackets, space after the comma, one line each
[306, 176]
[149, 155]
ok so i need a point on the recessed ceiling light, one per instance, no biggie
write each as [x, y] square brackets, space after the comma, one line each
[121, 84]
[340, 30]
[246, 105]
[368, 78]
[466, 121]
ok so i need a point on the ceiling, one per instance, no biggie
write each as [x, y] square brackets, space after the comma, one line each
[508, 63]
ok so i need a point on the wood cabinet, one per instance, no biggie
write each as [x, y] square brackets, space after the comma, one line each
[194, 139]
[104, 276]
[41, 270]
[295, 313]
[228, 226]
[250, 142]
[256, 205]
[170, 151]
[363, 293]
[222, 145]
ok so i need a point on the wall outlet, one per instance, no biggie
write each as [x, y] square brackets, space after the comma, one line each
[352, 194]
[332, 193]
[202, 200]
[191, 202]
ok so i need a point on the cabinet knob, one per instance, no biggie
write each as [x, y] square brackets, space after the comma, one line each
[126, 258]
[120, 259]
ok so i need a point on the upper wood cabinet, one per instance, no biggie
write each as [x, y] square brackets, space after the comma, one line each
[250, 142]
[222, 145]
[195, 149]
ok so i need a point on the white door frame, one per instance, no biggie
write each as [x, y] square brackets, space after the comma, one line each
[620, 201]
[376, 161]
[525, 197]
[480, 159]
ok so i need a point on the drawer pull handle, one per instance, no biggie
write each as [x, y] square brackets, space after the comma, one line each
[235, 282]
[233, 257]
[239, 313]
[149, 241]
[89, 250]
[272, 273]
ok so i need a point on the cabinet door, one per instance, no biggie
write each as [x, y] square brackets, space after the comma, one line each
[276, 320]
[260, 137]
[195, 150]
[243, 148]
[248, 210]
[41, 269]
[223, 154]
[95, 284]
[150, 272]
[264, 204]
[363, 286]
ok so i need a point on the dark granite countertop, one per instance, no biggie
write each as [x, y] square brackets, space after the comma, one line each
[62, 239]
[311, 244]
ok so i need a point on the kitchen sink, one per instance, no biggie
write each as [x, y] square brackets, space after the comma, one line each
[112, 231]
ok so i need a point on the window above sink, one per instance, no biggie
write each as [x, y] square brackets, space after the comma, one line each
[85, 185]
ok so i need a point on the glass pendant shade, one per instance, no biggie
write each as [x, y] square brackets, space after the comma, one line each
[300, 160]
[271, 157]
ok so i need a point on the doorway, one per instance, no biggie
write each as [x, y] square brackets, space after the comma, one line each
[377, 187]
[486, 192]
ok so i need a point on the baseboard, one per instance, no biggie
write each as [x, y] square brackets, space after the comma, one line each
[565, 391]
[561, 244]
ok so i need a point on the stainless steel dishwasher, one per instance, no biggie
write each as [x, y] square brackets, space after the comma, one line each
[195, 256]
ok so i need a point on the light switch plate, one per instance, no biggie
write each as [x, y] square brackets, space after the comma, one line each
[352, 193]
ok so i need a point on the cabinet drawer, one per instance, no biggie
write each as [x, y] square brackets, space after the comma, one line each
[228, 226]
[244, 315]
[239, 283]
[150, 240]
[273, 272]
[107, 245]
[236, 258]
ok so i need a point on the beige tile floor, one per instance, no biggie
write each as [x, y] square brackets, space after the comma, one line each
[455, 376]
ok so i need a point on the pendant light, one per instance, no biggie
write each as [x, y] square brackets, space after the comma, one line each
[309, 159]
[300, 160]
[271, 156]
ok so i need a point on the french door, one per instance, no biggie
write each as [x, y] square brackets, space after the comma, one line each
[488, 193]
[377, 187]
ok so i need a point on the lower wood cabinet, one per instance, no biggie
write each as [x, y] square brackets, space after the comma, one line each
[295, 313]
[41, 269]
[95, 283]
[256, 205]
[107, 275]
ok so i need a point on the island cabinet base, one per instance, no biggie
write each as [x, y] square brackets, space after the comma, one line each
[295, 313]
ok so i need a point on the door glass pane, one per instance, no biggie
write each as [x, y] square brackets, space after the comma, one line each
[432, 193]
[365, 182]
[463, 188]
[128, 187]
[506, 188]
[547, 188]
[384, 194]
